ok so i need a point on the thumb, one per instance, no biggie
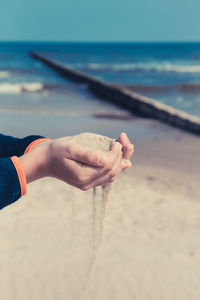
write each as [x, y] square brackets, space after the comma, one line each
[85, 156]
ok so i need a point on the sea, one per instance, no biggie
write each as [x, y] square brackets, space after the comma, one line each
[167, 72]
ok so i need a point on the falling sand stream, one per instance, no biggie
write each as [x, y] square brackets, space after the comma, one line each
[99, 199]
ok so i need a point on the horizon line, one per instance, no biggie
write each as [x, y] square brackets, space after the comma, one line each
[99, 42]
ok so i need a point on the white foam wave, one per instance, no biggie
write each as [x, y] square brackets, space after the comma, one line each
[178, 68]
[17, 88]
[4, 74]
[162, 67]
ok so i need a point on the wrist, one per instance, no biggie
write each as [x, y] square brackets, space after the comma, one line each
[35, 163]
[36, 143]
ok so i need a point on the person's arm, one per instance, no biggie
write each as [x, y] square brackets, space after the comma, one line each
[54, 159]
[62, 159]
[10, 146]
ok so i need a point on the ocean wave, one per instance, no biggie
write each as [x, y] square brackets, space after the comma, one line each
[17, 88]
[192, 88]
[162, 67]
[178, 68]
[4, 74]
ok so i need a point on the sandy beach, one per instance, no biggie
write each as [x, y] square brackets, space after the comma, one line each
[151, 246]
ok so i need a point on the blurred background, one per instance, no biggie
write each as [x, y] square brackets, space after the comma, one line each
[151, 48]
[151, 247]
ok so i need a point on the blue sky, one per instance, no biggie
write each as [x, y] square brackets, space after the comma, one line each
[102, 20]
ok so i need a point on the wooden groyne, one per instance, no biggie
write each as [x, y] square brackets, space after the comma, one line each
[125, 98]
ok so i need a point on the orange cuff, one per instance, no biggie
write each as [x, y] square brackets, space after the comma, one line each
[20, 173]
[34, 143]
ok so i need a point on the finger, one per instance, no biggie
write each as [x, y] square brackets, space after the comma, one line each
[84, 173]
[89, 157]
[127, 146]
[123, 139]
[128, 151]
[101, 181]
[113, 155]
[108, 177]
[80, 174]
[117, 167]
[92, 173]
[125, 164]
[93, 158]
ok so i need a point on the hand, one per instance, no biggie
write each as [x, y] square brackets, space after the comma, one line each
[83, 168]
[66, 160]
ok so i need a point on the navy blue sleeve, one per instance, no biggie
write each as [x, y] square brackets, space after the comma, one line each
[10, 146]
[10, 189]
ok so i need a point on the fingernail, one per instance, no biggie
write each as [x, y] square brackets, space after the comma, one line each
[122, 135]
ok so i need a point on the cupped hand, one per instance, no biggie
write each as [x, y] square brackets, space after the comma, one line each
[72, 163]
[82, 168]
[65, 159]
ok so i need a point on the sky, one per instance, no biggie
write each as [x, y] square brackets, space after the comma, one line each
[102, 20]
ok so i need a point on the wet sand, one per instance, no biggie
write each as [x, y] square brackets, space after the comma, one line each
[151, 247]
